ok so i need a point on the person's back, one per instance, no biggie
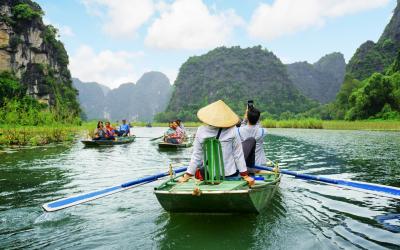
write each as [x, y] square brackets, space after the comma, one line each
[254, 130]
[231, 148]
[221, 121]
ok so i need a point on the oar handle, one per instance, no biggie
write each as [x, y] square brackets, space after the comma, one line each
[355, 184]
[150, 178]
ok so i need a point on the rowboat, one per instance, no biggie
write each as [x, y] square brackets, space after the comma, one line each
[118, 140]
[231, 195]
[166, 145]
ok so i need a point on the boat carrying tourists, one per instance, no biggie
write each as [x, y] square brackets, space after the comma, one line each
[221, 121]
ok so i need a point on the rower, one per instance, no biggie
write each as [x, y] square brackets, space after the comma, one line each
[221, 121]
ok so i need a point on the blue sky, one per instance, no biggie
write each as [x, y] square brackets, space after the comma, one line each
[116, 41]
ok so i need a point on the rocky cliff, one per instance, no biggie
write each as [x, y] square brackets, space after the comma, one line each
[319, 81]
[140, 101]
[30, 50]
[373, 57]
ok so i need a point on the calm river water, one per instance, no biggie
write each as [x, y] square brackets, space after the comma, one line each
[303, 215]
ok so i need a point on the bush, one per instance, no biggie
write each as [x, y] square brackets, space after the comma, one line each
[25, 12]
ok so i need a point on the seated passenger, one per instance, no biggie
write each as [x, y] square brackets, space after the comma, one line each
[220, 123]
[177, 136]
[110, 132]
[170, 131]
[100, 132]
[124, 129]
[252, 136]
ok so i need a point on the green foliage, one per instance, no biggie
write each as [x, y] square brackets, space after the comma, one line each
[234, 75]
[9, 87]
[50, 39]
[26, 12]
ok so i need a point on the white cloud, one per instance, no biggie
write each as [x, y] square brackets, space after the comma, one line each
[107, 67]
[189, 24]
[121, 18]
[283, 17]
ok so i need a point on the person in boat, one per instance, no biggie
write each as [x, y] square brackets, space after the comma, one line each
[100, 132]
[170, 131]
[250, 132]
[110, 132]
[220, 123]
[180, 125]
[177, 136]
[124, 129]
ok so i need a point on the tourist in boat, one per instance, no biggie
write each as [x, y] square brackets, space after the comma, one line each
[170, 131]
[221, 121]
[100, 132]
[251, 133]
[110, 132]
[124, 129]
[177, 136]
[180, 125]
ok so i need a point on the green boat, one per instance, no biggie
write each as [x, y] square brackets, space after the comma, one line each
[118, 140]
[228, 196]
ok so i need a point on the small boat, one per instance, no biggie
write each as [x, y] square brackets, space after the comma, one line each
[118, 140]
[228, 196]
[167, 145]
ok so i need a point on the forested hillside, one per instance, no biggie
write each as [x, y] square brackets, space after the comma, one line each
[320, 81]
[234, 75]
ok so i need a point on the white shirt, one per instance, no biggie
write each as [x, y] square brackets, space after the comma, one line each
[232, 152]
[258, 133]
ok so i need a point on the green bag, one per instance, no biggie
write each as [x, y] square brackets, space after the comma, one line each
[214, 171]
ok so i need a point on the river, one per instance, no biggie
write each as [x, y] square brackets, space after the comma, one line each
[303, 215]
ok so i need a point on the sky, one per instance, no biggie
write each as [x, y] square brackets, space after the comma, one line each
[115, 41]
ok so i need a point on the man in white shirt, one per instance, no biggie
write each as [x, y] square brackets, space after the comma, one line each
[250, 131]
[219, 119]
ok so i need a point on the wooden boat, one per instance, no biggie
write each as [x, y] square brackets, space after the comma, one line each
[229, 196]
[166, 145]
[118, 140]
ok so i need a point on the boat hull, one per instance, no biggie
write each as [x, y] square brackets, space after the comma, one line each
[166, 145]
[120, 140]
[241, 200]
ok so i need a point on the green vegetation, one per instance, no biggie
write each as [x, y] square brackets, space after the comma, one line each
[234, 75]
[26, 12]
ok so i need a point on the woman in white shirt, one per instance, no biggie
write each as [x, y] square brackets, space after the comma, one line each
[219, 117]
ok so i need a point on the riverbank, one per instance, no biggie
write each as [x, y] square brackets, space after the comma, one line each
[379, 125]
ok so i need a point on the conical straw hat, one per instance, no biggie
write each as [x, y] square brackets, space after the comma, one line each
[218, 114]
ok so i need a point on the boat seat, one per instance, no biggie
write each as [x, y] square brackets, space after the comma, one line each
[214, 172]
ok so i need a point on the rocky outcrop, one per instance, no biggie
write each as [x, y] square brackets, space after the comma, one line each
[135, 102]
[29, 49]
[319, 81]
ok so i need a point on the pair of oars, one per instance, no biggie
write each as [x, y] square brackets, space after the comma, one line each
[82, 198]
[151, 138]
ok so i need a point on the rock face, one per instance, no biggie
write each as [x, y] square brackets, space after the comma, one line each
[319, 81]
[29, 49]
[373, 57]
[135, 102]
[235, 75]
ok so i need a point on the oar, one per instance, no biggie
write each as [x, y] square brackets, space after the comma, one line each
[82, 198]
[156, 138]
[394, 191]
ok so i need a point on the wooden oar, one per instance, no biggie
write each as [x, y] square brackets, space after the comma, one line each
[156, 138]
[82, 198]
[393, 191]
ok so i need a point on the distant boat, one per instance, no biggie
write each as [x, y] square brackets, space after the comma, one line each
[148, 125]
[118, 140]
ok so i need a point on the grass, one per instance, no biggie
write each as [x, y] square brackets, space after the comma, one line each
[390, 125]
[41, 135]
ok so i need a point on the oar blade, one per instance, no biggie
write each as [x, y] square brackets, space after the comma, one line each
[79, 199]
